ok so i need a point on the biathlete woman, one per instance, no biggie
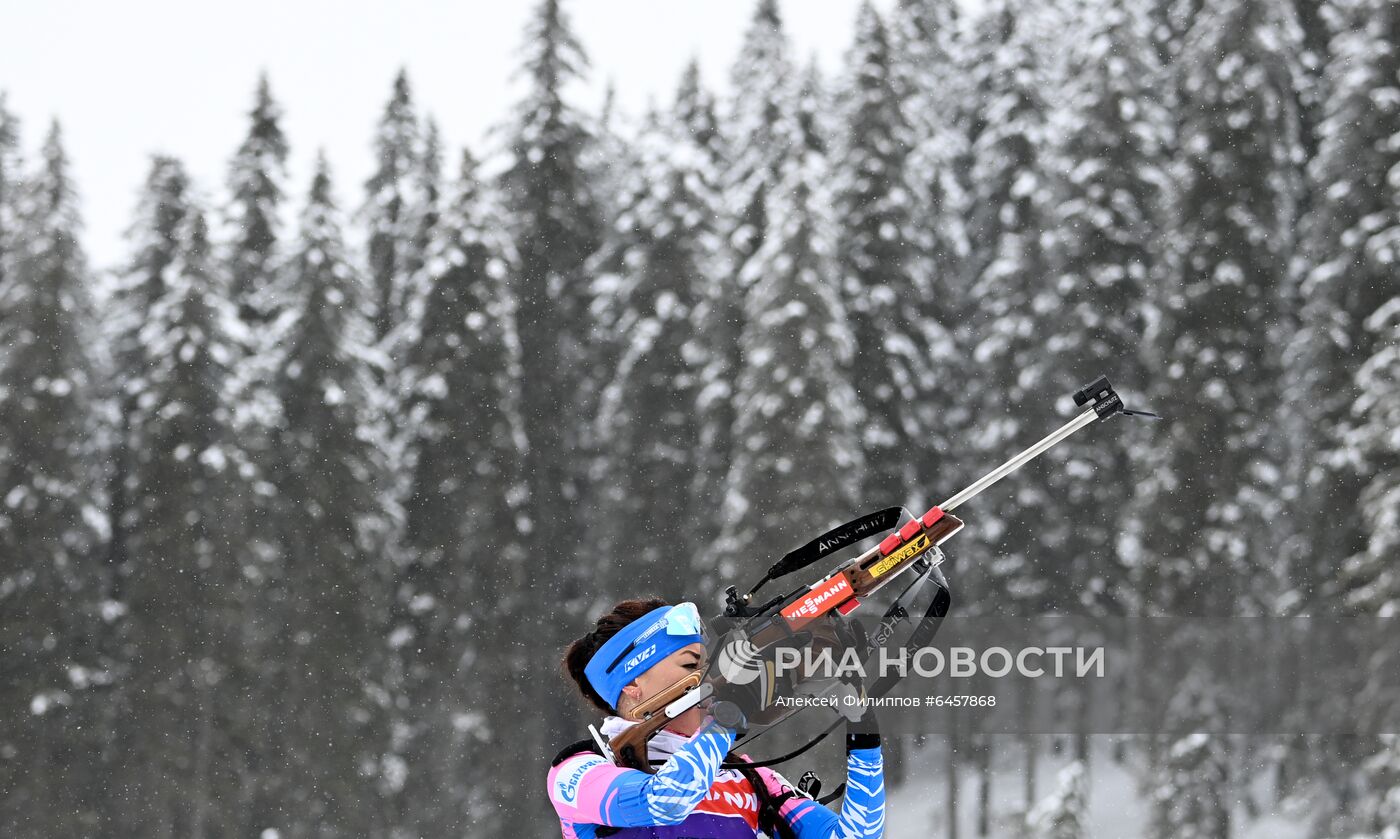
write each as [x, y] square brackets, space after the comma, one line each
[637, 650]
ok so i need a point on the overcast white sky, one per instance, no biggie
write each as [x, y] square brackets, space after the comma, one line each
[127, 78]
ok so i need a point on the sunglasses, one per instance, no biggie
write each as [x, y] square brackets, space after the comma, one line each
[681, 619]
[684, 619]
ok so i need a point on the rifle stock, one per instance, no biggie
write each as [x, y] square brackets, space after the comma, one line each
[630, 747]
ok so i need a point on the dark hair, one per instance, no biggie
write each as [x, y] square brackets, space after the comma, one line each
[576, 657]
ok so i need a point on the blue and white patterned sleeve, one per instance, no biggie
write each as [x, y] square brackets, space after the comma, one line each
[588, 789]
[862, 813]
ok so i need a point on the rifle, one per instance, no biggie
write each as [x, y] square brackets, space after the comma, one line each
[816, 614]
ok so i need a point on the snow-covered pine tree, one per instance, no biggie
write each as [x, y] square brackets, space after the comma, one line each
[52, 580]
[610, 164]
[797, 461]
[764, 93]
[421, 215]
[257, 186]
[924, 37]
[11, 177]
[1313, 88]
[129, 297]
[1170, 21]
[554, 223]
[332, 525]
[1346, 280]
[1064, 813]
[659, 260]
[159, 214]
[1190, 787]
[903, 357]
[428, 194]
[1371, 582]
[929, 69]
[419, 211]
[816, 110]
[1011, 295]
[1107, 148]
[1377, 813]
[390, 205]
[609, 160]
[717, 314]
[183, 569]
[1009, 290]
[696, 116]
[460, 580]
[254, 252]
[1222, 318]
[10, 180]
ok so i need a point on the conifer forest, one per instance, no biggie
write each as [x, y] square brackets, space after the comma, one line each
[302, 501]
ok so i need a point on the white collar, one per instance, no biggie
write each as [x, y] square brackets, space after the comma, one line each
[663, 744]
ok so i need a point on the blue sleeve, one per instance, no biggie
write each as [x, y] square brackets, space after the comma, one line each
[593, 791]
[862, 809]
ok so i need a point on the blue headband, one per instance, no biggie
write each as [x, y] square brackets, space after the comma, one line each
[641, 644]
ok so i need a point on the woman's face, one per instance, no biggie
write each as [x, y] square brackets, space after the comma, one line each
[662, 675]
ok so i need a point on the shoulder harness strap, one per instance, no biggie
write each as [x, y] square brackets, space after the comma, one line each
[573, 749]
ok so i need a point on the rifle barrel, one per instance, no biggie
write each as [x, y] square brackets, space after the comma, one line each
[1020, 460]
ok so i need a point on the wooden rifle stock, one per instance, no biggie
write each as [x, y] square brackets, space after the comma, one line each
[630, 747]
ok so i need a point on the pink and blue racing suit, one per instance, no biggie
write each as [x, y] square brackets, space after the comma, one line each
[692, 796]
